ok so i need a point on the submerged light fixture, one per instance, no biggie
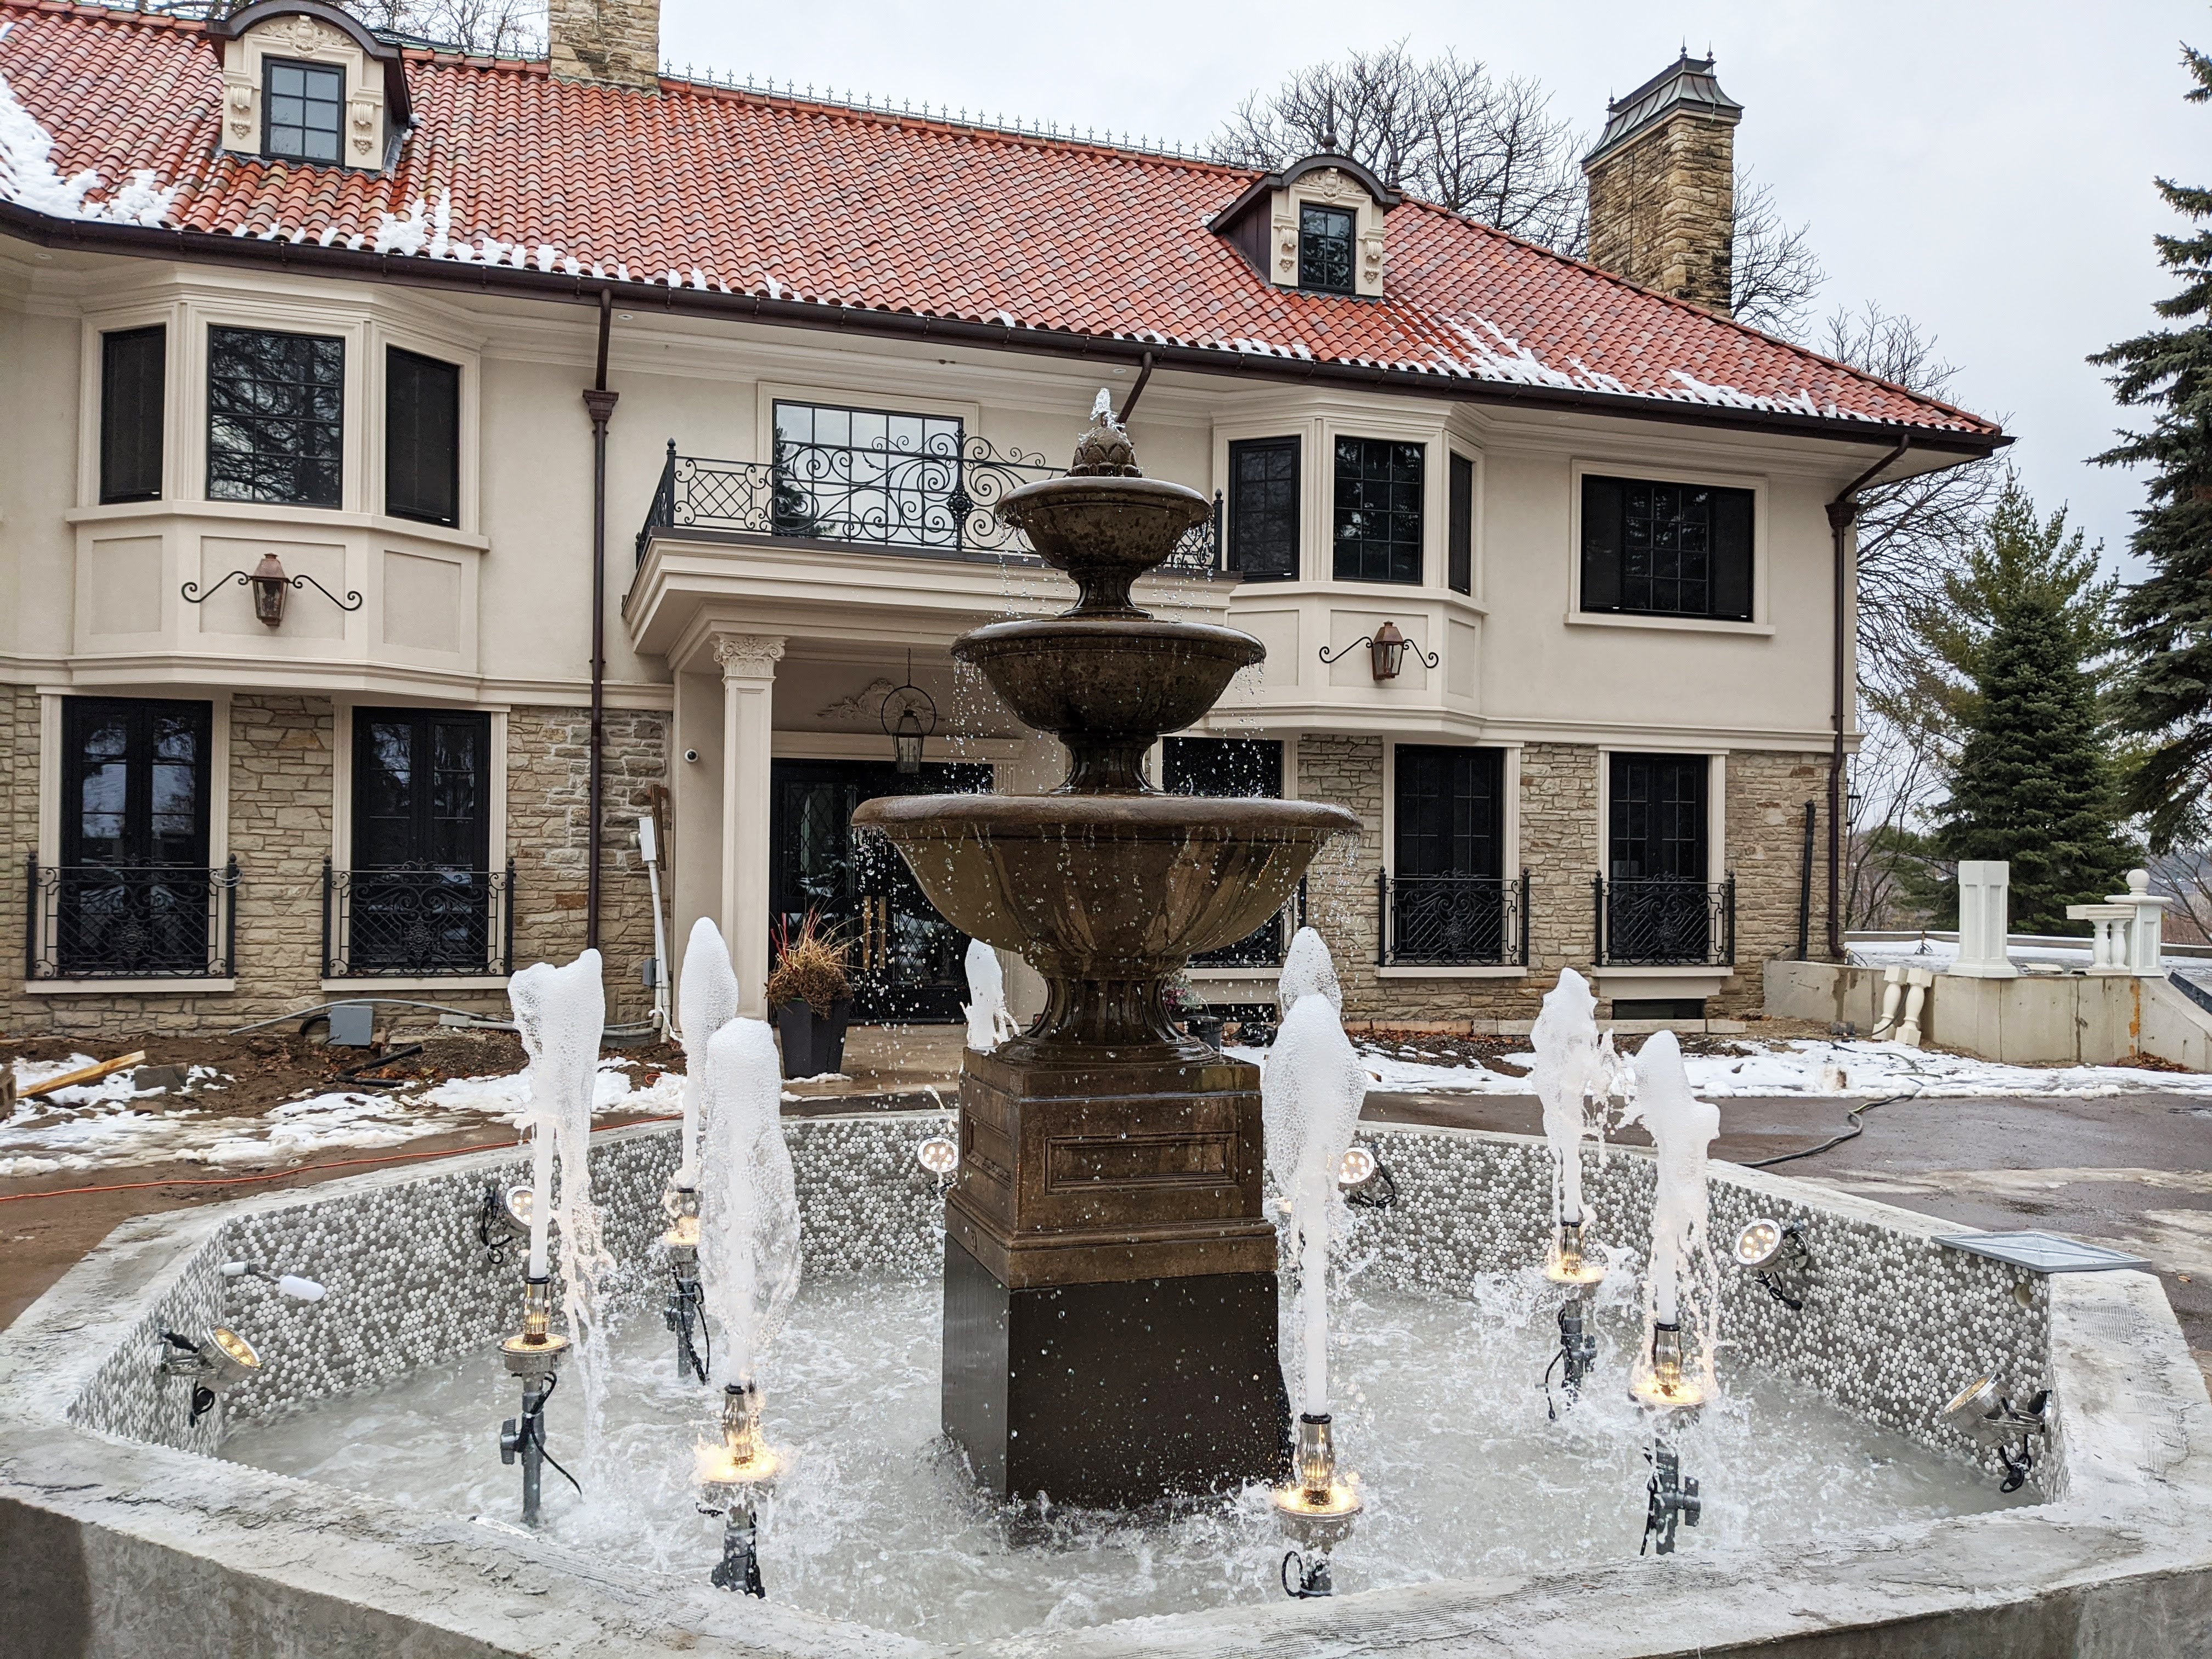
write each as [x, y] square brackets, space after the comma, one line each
[1986, 1415]
[503, 1219]
[216, 1365]
[1564, 1263]
[1317, 1509]
[533, 1355]
[1774, 1253]
[1667, 1383]
[939, 1156]
[733, 1474]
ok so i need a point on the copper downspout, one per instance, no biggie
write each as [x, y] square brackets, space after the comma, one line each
[1843, 512]
[599, 404]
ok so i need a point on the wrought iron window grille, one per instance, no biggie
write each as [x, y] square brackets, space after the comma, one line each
[114, 921]
[1452, 922]
[419, 920]
[1660, 921]
[937, 501]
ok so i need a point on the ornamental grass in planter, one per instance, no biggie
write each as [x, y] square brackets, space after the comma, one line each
[811, 997]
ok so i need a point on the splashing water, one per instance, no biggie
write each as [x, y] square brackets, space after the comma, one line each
[1310, 1099]
[561, 1014]
[1682, 1128]
[707, 1001]
[749, 1200]
[988, 1022]
[1574, 1069]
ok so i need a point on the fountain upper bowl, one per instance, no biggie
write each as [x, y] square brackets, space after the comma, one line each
[1104, 532]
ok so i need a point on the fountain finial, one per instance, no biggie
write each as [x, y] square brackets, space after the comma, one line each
[1104, 450]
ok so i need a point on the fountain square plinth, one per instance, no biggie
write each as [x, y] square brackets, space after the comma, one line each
[1109, 1281]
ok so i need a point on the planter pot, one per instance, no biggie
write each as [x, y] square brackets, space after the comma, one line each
[813, 1043]
[1207, 1028]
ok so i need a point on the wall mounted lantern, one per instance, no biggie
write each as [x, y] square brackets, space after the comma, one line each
[1386, 650]
[270, 585]
[906, 728]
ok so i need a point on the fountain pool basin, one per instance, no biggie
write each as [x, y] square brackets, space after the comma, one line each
[121, 1518]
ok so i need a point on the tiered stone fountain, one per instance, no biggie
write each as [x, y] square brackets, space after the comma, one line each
[1110, 1276]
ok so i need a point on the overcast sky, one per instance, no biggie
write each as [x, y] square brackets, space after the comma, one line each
[1984, 168]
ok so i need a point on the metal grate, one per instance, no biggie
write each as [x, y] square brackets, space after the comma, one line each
[110, 921]
[1659, 922]
[417, 919]
[1452, 922]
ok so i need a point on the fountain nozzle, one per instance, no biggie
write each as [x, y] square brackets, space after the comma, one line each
[1317, 1509]
[533, 1354]
[734, 1474]
[1666, 1383]
[1565, 1263]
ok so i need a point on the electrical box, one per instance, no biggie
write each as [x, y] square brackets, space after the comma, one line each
[649, 971]
[353, 1024]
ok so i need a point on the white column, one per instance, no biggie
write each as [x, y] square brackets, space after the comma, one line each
[748, 663]
[2146, 931]
[1984, 920]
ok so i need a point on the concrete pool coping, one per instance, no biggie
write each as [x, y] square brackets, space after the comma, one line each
[116, 1547]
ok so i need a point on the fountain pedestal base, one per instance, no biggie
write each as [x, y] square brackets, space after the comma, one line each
[1110, 1279]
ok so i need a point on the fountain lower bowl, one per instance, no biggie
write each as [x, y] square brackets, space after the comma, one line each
[1105, 886]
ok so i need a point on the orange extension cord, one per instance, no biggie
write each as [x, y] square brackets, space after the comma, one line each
[305, 1169]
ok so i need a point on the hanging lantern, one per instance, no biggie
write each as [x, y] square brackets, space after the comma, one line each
[1388, 649]
[270, 585]
[907, 727]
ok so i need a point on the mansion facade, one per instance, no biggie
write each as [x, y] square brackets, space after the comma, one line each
[424, 467]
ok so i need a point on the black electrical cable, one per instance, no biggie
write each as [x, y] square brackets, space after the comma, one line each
[534, 1426]
[699, 1366]
[1854, 1117]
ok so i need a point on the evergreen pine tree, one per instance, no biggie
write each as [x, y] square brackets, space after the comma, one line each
[2165, 622]
[2026, 623]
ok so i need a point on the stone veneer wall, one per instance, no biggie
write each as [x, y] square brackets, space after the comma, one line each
[547, 831]
[1663, 206]
[1895, 1324]
[1561, 848]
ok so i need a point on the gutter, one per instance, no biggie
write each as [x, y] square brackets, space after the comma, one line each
[506, 281]
[1843, 513]
[600, 404]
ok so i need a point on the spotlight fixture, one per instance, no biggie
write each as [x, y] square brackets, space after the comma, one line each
[1774, 1253]
[1984, 1414]
[1357, 1165]
[939, 1156]
[1564, 1263]
[216, 1366]
[503, 1218]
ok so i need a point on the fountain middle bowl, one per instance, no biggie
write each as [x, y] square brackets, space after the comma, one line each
[1105, 886]
[1102, 676]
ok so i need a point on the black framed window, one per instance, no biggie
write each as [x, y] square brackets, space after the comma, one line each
[1378, 510]
[1459, 531]
[420, 781]
[302, 107]
[134, 781]
[276, 417]
[868, 474]
[1326, 239]
[421, 437]
[1449, 811]
[1263, 509]
[1657, 804]
[1666, 549]
[1232, 767]
[133, 381]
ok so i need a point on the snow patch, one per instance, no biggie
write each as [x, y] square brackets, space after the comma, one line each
[29, 178]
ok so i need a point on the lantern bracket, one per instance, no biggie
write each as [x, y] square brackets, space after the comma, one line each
[1388, 637]
[351, 602]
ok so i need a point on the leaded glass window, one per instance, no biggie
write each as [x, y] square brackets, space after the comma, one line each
[1325, 249]
[1669, 549]
[1378, 510]
[868, 474]
[276, 417]
[1263, 507]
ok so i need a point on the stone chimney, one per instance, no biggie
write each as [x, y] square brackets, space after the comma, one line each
[1662, 186]
[617, 42]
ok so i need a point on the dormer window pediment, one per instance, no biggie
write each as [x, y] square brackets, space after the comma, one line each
[304, 82]
[1319, 226]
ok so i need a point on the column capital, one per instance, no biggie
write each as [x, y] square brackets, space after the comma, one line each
[747, 656]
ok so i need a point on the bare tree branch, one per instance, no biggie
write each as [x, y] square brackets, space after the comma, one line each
[1775, 274]
[505, 28]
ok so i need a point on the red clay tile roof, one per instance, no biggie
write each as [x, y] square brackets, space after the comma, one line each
[733, 192]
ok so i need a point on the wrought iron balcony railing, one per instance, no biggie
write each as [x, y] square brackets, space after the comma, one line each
[1264, 946]
[422, 919]
[1452, 922]
[936, 500]
[114, 921]
[1656, 921]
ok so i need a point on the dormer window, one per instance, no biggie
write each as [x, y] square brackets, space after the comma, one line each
[1319, 225]
[303, 106]
[1326, 240]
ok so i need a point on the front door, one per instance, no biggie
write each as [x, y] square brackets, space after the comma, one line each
[908, 963]
[134, 892]
[1657, 903]
[420, 888]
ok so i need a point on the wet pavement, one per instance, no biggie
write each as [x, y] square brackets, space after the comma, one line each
[2133, 1170]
